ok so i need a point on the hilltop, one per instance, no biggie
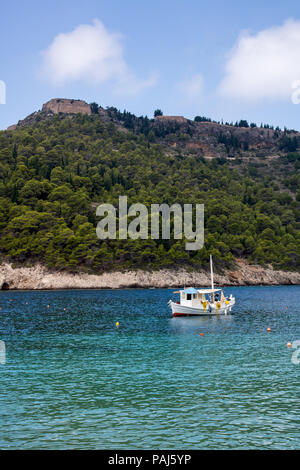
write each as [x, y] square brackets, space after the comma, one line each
[201, 137]
[59, 163]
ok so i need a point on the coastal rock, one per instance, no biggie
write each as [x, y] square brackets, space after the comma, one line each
[38, 277]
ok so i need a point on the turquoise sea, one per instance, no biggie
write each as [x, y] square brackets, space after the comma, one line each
[73, 379]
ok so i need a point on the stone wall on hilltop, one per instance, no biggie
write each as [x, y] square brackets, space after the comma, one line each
[179, 119]
[67, 106]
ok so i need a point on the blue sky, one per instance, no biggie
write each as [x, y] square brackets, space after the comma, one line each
[227, 60]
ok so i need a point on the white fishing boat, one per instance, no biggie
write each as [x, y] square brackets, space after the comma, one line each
[202, 301]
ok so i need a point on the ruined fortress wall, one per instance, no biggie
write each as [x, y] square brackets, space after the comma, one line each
[67, 106]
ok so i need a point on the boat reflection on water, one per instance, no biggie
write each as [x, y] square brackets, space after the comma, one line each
[200, 322]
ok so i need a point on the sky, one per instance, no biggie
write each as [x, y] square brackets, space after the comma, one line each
[225, 60]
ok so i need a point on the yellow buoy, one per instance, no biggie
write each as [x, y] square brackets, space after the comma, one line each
[117, 323]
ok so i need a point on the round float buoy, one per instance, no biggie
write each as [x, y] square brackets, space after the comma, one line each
[65, 309]
[269, 329]
[289, 345]
[201, 334]
[48, 306]
[117, 324]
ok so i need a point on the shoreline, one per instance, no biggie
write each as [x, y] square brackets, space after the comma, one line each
[40, 278]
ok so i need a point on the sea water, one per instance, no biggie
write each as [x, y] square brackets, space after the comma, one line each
[72, 379]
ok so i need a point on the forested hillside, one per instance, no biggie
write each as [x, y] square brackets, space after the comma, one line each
[55, 171]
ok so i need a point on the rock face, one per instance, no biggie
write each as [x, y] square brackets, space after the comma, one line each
[38, 277]
[211, 139]
[67, 106]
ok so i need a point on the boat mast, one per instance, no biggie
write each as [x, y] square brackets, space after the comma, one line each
[212, 278]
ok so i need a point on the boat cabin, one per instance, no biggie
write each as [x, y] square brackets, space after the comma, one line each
[192, 297]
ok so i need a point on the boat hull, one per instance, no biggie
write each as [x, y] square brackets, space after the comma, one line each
[179, 310]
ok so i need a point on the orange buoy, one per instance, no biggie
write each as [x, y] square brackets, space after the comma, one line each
[48, 306]
[269, 329]
[201, 334]
[65, 309]
[289, 345]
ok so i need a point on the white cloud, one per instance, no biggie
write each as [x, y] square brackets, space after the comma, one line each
[264, 65]
[193, 87]
[91, 54]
